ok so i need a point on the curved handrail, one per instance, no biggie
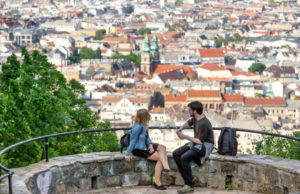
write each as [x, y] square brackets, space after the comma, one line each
[10, 172]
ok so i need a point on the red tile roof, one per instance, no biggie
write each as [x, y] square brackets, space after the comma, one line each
[216, 79]
[111, 99]
[176, 97]
[266, 101]
[243, 73]
[204, 93]
[209, 53]
[166, 68]
[233, 98]
[212, 67]
[139, 100]
[115, 39]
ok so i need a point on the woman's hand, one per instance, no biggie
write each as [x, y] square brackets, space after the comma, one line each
[151, 149]
[128, 158]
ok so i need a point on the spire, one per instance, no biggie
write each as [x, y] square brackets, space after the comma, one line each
[146, 48]
[154, 46]
[270, 90]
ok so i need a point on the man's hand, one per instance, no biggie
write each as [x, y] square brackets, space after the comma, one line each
[151, 149]
[128, 158]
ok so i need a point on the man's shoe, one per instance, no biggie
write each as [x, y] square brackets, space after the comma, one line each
[160, 187]
[169, 172]
[189, 189]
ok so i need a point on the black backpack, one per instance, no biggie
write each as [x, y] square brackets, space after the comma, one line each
[125, 141]
[227, 143]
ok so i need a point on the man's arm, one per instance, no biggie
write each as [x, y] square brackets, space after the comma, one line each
[184, 126]
[194, 140]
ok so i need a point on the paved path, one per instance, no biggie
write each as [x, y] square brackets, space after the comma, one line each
[151, 190]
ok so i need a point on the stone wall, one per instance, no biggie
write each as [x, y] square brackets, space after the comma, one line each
[83, 172]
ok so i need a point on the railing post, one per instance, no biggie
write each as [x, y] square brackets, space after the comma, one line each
[10, 190]
[47, 146]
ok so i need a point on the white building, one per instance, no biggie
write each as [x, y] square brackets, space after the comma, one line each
[244, 62]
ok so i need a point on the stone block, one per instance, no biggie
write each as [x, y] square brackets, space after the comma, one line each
[45, 181]
[140, 166]
[202, 180]
[123, 166]
[203, 168]
[108, 169]
[151, 166]
[216, 181]
[92, 169]
[167, 180]
[101, 182]
[213, 166]
[145, 179]
[266, 189]
[271, 176]
[85, 184]
[72, 186]
[130, 179]
[286, 179]
[237, 183]
[112, 181]
[178, 179]
[279, 190]
[228, 168]
[246, 171]
[252, 186]
[172, 163]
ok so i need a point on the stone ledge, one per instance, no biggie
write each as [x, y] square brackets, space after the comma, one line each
[83, 172]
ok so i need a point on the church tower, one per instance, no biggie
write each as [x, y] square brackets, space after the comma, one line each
[146, 57]
[155, 51]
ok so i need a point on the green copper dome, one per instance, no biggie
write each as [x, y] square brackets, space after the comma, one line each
[154, 46]
[146, 48]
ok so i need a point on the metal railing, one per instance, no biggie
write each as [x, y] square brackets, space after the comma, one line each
[46, 137]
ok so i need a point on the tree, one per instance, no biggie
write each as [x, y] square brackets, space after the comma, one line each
[131, 57]
[100, 34]
[170, 29]
[143, 31]
[257, 67]
[280, 147]
[36, 100]
[178, 3]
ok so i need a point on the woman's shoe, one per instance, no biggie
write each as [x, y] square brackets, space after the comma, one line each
[160, 187]
[169, 172]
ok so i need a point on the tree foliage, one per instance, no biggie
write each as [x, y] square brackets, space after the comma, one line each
[85, 53]
[131, 57]
[36, 100]
[257, 67]
[178, 3]
[100, 34]
[280, 147]
[226, 41]
[143, 31]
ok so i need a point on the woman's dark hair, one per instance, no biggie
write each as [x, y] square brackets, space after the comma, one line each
[197, 106]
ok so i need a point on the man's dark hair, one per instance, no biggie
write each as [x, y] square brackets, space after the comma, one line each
[196, 105]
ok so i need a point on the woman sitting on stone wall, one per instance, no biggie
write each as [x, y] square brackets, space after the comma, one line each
[142, 146]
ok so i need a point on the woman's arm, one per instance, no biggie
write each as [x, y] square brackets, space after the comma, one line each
[135, 131]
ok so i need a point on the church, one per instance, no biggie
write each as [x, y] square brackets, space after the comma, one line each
[150, 55]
